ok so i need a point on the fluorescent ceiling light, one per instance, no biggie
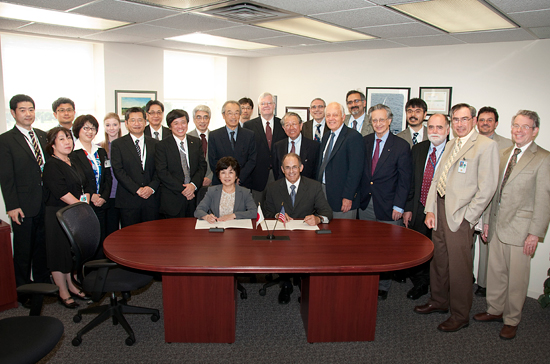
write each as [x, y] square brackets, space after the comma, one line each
[27, 13]
[456, 16]
[314, 29]
[213, 40]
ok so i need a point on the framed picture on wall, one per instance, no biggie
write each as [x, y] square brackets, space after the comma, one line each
[303, 111]
[437, 98]
[395, 98]
[125, 99]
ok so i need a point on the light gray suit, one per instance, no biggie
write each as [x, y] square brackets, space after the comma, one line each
[523, 209]
[244, 208]
[208, 175]
[366, 129]
[406, 134]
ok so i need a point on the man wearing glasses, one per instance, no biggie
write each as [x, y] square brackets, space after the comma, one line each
[247, 107]
[415, 132]
[357, 104]
[462, 187]
[317, 127]
[155, 114]
[64, 111]
[201, 118]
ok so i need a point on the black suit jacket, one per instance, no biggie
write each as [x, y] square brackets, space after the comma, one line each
[419, 155]
[344, 169]
[264, 157]
[165, 132]
[106, 180]
[310, 200]
[391, 182]
[307, 129]
[171, 175]
[219, 146]
[126, 165]
[20, 174]
[309, 153]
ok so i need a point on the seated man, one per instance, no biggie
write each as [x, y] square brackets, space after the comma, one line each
[302, 197]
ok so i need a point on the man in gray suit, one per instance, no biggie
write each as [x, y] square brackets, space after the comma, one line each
[415, 132]
[316, 127]
[461, 189]
[201, 118]
[487, 122]
[520, 213]
[357, 104]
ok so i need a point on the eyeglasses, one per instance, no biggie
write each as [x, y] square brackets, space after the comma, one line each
[522, 127]
[200, 118]
[230, 114]
[463, 120]
[89, 128]
[155, 113]
[356, 101]
[65, 110]
[314, 107]
[291, 125]
[246, 108]
[415, 111]
[379, 121]
[267, 103]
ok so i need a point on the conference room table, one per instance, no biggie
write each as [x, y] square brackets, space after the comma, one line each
[339, 294]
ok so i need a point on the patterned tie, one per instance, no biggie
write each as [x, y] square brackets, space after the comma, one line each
[138, 150]
[509, 168]
[268, 134]
[318, 134]
[184, 165]
[427, 179]
[292, 194]
[442, 183]
[326, 157]
[156, 135]
[293, 147]
[232, 140]
[415, 135]
[354, 124]
[204, 143]
[376, 156]
[36, 147]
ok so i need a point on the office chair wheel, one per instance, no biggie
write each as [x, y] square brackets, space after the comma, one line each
[77, 318]
[77, 341]
[155, 318]
[244, 295]
[262, 292]
[130, 341]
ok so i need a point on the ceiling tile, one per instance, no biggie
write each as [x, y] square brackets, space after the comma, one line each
[51, 4]
[316, 7]
[56, 30]
[269, 52]
[289, 41]
[191, 47]
[123, 11]
[428, 41]
[541, 32]
[116, 38]
[364, 17]
[400, 30]
[529, 19]
[145, 31]
[193, 23]
[510, 6]
[372, 44]
[327, 47]
[10, 24]
[507, 35]
[386, 2]
[246, 32]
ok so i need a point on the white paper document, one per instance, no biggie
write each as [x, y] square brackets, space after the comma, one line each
[290, 225]
[236, 224]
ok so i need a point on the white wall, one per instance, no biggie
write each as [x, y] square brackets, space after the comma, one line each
[508, 76]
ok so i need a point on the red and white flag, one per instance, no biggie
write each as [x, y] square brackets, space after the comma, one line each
[259, 216]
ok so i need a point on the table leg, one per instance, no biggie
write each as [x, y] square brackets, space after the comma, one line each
[199, 308]
[339, 307]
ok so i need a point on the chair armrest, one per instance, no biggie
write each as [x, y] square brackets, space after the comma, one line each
[38, 288]
[100, 263]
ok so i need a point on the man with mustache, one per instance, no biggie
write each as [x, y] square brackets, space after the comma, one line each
[357, 104]
[415, 132]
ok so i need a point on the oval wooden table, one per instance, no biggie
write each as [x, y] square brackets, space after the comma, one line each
[339, 297]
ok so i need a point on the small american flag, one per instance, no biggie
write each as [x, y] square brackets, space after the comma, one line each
[282, 217]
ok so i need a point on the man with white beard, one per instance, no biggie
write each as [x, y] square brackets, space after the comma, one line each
[425, 156]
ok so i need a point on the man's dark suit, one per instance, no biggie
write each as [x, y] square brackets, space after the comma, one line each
[127, 168]
[309, 154]
[310, 200]
[165, 132]
[419, 154]
[344, 168]
[264, 156]
[219, 146]
[171, 175]
[307, 129]
[390, 184]
[21, 183]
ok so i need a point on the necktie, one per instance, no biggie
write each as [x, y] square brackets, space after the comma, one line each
[354, 124]
[292, 194]
[232, 140]
[415, 135]
[293, 147]
[442, 183]
[427, 179]
[36, 147]
[326, 157]
[268, 134]
[376, 156]
[508, 171]
[204, 144]
[156, 135]
[138, 149]
[184, 165]
[317, 137]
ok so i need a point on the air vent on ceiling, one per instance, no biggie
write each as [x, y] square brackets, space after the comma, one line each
[177, 4]
[245, 12]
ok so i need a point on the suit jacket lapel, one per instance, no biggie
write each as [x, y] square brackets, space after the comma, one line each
[20, 138]
[527, 157]
[370, 146]
[287, 202]
[339, 141]
[385, 152]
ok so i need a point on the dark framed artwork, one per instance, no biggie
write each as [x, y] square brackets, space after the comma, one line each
[125, 99]
[395, 98]
[438, 99]
[303, 111]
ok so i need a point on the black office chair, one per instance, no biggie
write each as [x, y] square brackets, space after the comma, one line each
[100, 276]
[27, 339]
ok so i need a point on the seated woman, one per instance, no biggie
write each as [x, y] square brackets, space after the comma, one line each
[227, 201]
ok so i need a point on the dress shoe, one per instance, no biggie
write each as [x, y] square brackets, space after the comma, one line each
[486, 317]
[427, 309]
[451, 325]
[399, 277]
[284, 295]
[80, 295]
[64, 302]
[508, 332]
[481, 291]
[382, 295]
[417, 291]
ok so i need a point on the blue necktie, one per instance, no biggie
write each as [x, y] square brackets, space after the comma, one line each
[293, 194]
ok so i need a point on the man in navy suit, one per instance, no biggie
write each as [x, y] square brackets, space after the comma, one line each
[133, 163]
[267, 130]
[307, 149]
[22, 158]
[386, 176]
[181, 167]
[340, 164]
[155, 113]
[233, 141]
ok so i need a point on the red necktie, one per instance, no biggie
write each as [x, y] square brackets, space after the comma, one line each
[268, 134]
[427, 179]
[293, 148]
[204, 144]
[376, 156]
